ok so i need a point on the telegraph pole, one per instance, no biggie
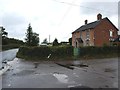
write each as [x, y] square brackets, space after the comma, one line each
[49, 38]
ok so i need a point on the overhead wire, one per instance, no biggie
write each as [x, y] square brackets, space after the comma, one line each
[65, 14]
[73, 4]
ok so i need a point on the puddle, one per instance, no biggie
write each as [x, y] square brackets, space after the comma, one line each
[61, 77]
[9, 85]
[109, 70]
[71, 65]
[80, 87]
[76, 62]
[65, 65]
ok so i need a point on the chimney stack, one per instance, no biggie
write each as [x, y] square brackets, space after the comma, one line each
[86, 21]
[99, 16]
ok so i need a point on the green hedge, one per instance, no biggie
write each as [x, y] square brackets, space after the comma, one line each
[10, 46]
[66, 52]
[99, 52]
[43, 52]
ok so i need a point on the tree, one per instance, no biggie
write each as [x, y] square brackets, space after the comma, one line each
[70, 41]
[4, 34]
[55, 42]
[45, 41]
[32, 39]
[35, 39]
[29, 34]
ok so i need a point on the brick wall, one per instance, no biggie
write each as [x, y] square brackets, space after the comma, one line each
[99, 36]
[102, 33]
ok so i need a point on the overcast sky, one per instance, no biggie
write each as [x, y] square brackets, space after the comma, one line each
[57, 18]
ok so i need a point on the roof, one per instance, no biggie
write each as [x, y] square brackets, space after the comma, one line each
[91, 25]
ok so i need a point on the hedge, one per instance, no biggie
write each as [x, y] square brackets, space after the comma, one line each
[93, 52]
[10, 46]
[66, 52]
[43, 52]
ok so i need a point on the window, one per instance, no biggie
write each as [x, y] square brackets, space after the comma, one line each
[87, 34]
[111, 33]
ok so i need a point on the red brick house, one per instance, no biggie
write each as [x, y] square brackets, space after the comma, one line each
[97, 33]
[116, 42]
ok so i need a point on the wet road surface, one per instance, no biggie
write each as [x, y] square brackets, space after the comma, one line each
[101, 73]
[7, 55]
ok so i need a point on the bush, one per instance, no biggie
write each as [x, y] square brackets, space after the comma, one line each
[43, 52]
[98, 51]
[10, 46]
[66, 52]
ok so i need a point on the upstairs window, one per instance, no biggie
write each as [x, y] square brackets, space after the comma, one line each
[87, 34]
[111, 33]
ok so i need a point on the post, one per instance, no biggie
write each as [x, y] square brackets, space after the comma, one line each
[76, 52]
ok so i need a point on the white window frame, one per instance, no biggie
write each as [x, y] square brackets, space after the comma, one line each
[111, 33]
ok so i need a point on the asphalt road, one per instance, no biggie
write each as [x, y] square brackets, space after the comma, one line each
[7, 55]
[100, 73]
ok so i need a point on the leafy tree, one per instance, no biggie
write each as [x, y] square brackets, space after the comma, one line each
[4, 34]
[32, 39]
[70, 41]
[35, 39]
[45, 41]
[55, 42]
[29, 35]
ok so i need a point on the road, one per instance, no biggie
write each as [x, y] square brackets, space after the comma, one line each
[99, 73]
[7, 55]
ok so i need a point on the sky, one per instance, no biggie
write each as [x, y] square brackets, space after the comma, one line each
[54, 18]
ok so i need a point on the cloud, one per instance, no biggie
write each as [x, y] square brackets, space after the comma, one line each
[119, 16]
[48, 17]
[12, 19]
[107, 8]
[14, 24]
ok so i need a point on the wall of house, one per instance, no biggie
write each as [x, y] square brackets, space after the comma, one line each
[92, 37]
[102, 33]
[83, 36]
[74, 36]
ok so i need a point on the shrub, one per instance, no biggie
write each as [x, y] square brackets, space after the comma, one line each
[98, 51]
[43, 52]
[10, 46]
[66, 52]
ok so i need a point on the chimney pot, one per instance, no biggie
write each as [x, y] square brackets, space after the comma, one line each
[99, 16]
[86, 21]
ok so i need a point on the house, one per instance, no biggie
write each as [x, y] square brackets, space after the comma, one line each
[98, 33]
[116, 42]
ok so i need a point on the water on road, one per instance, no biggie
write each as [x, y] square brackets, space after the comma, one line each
[7, 55]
